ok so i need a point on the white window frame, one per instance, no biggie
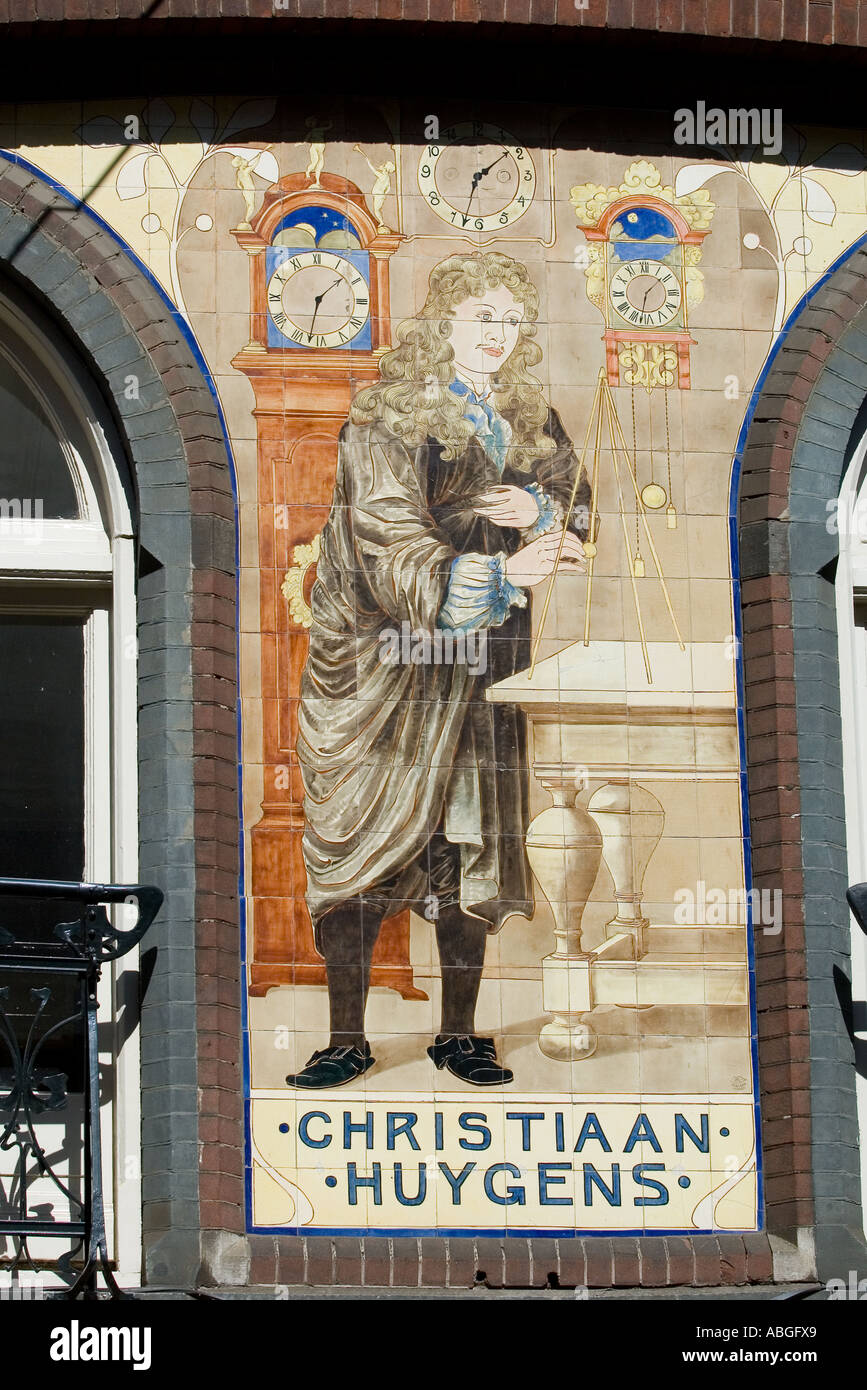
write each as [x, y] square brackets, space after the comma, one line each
[87, 566]
[851, 590]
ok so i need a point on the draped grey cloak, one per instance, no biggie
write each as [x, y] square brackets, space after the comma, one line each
[390, 753]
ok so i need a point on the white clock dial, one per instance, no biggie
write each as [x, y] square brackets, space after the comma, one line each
[476, 178]
[646, 294]
[318, 299]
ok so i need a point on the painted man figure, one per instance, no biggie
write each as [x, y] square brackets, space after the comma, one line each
[452, 485]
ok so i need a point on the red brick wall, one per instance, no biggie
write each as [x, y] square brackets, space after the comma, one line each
[799, 21]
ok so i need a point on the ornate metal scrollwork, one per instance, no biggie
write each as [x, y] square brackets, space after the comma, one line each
[648, 365]
[31, 1088]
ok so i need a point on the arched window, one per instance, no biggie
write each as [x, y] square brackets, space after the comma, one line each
[68, 777]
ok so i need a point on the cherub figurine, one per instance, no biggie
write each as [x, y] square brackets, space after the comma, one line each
[382, 185]
[244, 169]
[316, 137]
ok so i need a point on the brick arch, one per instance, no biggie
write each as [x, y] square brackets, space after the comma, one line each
[119, 322]
[806, 422]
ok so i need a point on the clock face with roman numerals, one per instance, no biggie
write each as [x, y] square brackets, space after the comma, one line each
[646, 294]
[318, 299]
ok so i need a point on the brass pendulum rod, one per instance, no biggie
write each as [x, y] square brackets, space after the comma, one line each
[640, 504]
[638, 562]
[596, 406]
[609, 407]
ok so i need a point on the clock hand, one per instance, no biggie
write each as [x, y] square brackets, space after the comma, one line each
[478, 176]
[483, 172]
[317, 299]
[476, 180]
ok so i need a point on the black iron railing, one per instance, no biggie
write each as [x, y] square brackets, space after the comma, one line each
[48, 1034]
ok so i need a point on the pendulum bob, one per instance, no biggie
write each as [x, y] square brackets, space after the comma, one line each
[654, 496]
[564, 847]
[630, 820]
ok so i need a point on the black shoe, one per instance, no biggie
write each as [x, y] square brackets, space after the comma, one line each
[471, 1059]
[333, 1066]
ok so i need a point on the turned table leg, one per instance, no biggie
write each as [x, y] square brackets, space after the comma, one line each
[630, 819]
[564, 847]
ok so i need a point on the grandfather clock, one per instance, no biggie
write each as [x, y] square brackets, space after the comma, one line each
[319, 322]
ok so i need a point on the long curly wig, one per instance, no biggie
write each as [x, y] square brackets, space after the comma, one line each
[413, 397]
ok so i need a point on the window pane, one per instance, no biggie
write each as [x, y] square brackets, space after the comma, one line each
[42, 813]
[34, 476]
[42, 768]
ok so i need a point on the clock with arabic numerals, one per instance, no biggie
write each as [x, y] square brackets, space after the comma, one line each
[477, 178]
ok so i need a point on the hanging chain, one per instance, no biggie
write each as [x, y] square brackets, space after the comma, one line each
[635, 465]
[671, 511]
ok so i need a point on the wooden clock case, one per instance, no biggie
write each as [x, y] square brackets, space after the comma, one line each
[302, 400]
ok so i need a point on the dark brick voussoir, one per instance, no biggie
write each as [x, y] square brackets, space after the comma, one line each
[64, 229]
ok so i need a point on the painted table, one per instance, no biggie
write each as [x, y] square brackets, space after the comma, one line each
[599, 730]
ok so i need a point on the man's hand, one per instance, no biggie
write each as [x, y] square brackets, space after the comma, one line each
[535, 562]
[508, 506]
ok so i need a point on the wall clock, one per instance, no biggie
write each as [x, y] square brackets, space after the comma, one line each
[476, 177]
[644, 243]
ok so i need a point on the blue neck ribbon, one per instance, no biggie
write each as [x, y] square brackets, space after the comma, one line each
[492, 430]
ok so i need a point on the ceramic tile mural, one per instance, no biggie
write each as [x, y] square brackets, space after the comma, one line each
[483, 381]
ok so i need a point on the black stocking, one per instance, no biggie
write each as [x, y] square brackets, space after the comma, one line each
[347, 936]
[461, 942]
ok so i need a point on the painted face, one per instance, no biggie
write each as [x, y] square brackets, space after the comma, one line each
[484, 331]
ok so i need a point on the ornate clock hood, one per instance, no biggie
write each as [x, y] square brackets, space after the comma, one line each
[295, 191]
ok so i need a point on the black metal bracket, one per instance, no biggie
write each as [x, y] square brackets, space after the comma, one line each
[78, 951]
[856, 897]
